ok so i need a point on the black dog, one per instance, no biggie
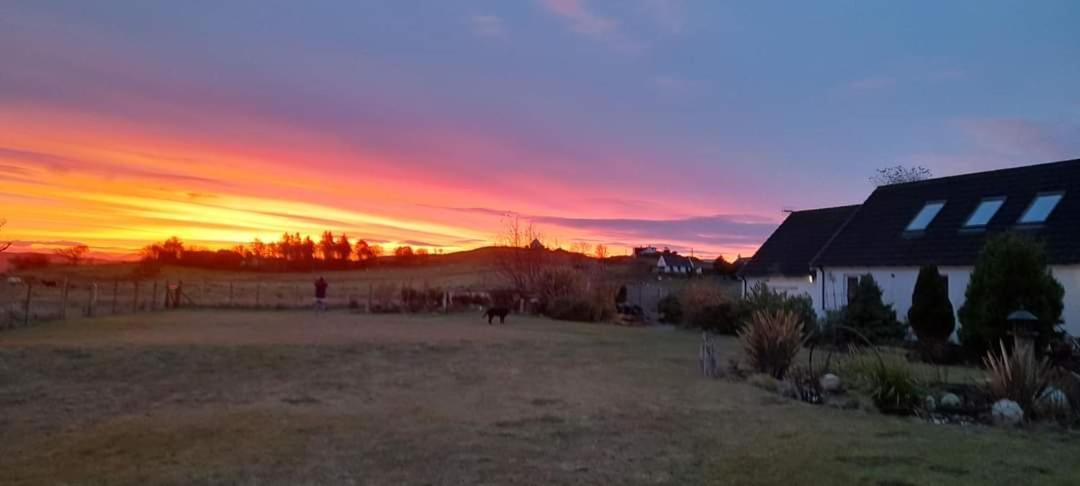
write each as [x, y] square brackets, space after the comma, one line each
[500, 312]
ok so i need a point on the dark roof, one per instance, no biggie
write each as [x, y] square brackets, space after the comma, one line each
[675, 260]
[790, 248]
[876, 234]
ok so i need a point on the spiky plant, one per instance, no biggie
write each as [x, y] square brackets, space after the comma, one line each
[771, 341]
[1019, 376]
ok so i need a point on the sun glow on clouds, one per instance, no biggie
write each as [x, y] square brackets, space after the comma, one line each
[103, 142]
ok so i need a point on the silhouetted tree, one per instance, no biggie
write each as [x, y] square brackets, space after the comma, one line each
[73, 254]
[600, 251]
[326, 246]
[723, 267]
[307, 252]
[343, 250]
[4, 245]
[899, 174]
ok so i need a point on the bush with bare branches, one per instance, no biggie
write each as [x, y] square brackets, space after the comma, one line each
[771, 341]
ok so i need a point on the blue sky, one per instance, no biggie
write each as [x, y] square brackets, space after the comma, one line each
[689, 123]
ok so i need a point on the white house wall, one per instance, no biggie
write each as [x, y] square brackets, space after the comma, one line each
[898, 283]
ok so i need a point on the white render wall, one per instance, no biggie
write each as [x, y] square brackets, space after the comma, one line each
[898, 283]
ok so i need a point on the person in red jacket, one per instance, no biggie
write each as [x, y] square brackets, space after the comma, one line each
[320, 294]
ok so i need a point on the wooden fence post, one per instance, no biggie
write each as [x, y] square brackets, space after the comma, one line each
[153, 297]
[115, 294]
[370, 295]
[230, 294]
[26, 305]
[258, 290]
[91, 300]
[64, 301]
[135, 300]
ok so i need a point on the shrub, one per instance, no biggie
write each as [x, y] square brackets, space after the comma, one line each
[558, 282]
[1010, 274]
[771, 341]
[670, 309]
[29, 261]
[869, 315]
[1019, 376]
[706, 306]
[761, 298]
[890, 382]
[931, 314]
[596, 306]
[893, 389]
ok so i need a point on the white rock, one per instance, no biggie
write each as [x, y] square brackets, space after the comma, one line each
[1007, 412]
[830, 383]
[931, 403]
[950, 400]
[1052, 401]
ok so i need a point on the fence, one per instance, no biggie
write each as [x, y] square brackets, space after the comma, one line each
[26, 302]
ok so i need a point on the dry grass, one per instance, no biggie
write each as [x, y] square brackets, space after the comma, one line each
[290, 398]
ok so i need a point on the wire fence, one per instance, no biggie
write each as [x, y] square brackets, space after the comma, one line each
[23, 303]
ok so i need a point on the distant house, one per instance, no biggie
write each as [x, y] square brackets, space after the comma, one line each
[674, 263]
[944, 222]
[645, 251]
[536, 245]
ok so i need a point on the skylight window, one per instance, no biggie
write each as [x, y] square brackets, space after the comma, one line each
[986, 210]
[1041, 207]
[925, 216]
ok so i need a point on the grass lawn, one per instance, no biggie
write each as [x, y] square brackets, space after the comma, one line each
[294, 398]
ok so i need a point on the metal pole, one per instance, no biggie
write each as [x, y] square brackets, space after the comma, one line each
[26, 306]
[64, 301]
[115, 292]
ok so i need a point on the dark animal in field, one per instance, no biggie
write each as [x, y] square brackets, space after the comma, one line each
[500, 312]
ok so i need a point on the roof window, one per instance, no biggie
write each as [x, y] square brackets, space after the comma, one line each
[1041, 207]
[986, 210]
[925, 216]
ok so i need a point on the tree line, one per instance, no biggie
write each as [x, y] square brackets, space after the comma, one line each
[291, 252]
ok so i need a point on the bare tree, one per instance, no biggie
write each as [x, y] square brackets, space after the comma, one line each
[524, 256]
[73, 254]
[601, 251]
[581, 247]
[899, 174]
[4, 245]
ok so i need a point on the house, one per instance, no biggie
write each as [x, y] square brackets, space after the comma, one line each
[645, 251]
[674, 263]
[783, 261]
[943, 221]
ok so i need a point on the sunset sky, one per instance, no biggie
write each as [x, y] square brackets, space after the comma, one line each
[690, 124]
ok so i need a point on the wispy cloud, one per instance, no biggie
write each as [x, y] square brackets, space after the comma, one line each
[1029, 140]
[721, 230]
[487, 26]
[588, 23]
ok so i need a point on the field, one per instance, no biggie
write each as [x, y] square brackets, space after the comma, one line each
[297, 398]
